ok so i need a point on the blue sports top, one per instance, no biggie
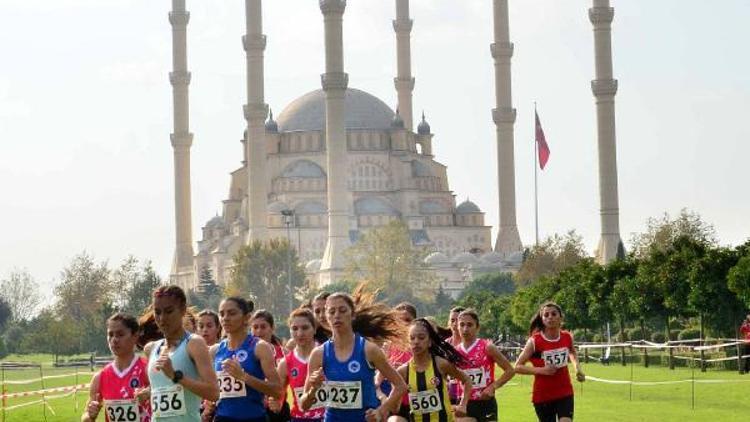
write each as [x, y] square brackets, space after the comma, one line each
[251, 405]
[356, 368]
[182, 361]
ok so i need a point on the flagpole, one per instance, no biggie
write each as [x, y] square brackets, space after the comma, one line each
[536, 186]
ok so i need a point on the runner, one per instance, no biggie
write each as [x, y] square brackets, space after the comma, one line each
[397, 356]
[263, 326]
[481, 356]
[179, 366]
[549, 348]
[114, 387]
[323, 332]
[293, 368]
[433, 359]
[209, 326]
[245, 367]
[347, 362]
[454, 340]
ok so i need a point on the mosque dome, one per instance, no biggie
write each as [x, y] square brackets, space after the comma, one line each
[362, 111]
[468, 207]
[424, 127]
[216, 222]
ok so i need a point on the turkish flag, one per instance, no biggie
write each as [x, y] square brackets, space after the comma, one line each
[541, 142]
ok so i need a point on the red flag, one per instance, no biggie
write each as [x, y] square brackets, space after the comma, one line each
[541, 142]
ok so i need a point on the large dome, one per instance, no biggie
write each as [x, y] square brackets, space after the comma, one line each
[363, 111]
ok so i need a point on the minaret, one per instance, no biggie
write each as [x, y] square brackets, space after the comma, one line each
[404, 81]
[255, 112]
[334, 82]
[504, 116]
[182, 139]
[604, 88]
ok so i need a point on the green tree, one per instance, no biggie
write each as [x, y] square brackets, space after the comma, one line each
[207, 295]
[527, 300]
[387, 260]
[6, 314]
[574, 295]
[22, 294]
[553, 255]
[738, 279]
[52, 333]
[661, 232]
[709, 294]
[260, 272]
[619, 275]
[140, 288]
[497, 283]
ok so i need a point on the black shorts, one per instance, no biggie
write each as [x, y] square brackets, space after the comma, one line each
[284, 415]
[549, 411]
[226, 419]
[482, 410]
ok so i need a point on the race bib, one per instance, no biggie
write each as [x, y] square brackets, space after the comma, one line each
[478, 377]
[122, 410]
[168, 401]
[230, 386]
[299, 391]
[425, 402]
[341, 394]
[556, 357]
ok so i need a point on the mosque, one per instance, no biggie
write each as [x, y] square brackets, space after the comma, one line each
[337, 162]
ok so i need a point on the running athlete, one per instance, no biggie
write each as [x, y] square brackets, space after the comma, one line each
[549, 348]
[293, 368]
[347, 362]
[454, 340]
[318, 307]
[397, 356]
[245, 367]
[179, 366]
[114, 387]
[263, 326]
[433, 360]
[209, 326]
[481, 356]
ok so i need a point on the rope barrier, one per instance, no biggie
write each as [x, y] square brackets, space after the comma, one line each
[38, 379]
[652, 383]
[45, 391]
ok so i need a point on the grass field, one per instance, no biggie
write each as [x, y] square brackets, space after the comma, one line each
[595, 401]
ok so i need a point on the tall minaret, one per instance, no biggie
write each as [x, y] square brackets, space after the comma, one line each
[334, 83]
[182, 139]
[504, 116]
[404, 81]
[255, 112]
[604, 88]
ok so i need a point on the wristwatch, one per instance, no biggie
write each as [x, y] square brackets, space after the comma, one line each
[177, 376]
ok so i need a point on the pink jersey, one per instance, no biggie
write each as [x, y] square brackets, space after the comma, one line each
[117, 388]
[479, 367]
[296, 374]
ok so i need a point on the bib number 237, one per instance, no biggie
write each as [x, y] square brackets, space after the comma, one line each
[341, 395]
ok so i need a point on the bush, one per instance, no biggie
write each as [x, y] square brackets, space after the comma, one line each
[689, 334]
[621, 336]
[598, 338]
[674, 334]
[658, 337]
[3, 350]
[635, 333]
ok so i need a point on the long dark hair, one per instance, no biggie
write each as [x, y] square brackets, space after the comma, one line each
[438, 346]
[537, 324]
[215, 317]
[372, 319]
[268, 317]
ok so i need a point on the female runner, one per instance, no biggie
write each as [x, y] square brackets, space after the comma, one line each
[347, 362]
[293, 368]
[114, 387]
[481, 356]
[433, 359]
[245, 367]
[263, 326]
[179, 366]
[549, 348]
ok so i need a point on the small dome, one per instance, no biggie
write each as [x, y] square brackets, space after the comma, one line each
[424, 127]
[373, 206]
[303, 169]
[277, 207]
[464, 258]
[435, 258]
[362, 111]
[271, 125]
[468, 207]
[313, 266]
[310, 207]
[215, 223]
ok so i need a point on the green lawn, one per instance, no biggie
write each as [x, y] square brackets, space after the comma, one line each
[595, 401]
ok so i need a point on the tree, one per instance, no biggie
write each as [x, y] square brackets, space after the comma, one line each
[52, 333]
[661, 232]
[709, 294]
[527, 300]
[139, 290]
[260, 272]
[207, 295]
[22, 294]
[6, 314]
[386, 258]
[550, 257]
[496, 283]
[619, 275]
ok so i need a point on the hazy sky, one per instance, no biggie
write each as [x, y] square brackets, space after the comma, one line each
[86, 112]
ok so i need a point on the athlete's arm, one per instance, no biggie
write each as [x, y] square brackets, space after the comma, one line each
[522, 368]
[205, 386]
[212, 351]
[449, 369]
[94, 404]
[377, 359]
[502, 361]
[270, 386]
[580, 376]
[275, 404]
[314, 378]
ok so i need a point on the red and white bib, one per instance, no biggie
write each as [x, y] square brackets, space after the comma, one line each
[479, 367]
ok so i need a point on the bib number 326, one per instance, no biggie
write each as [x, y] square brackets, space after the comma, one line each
[168, 401]
[121, 410]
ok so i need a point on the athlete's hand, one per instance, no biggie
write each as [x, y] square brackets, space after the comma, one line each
[547, 370]
[94, 407]
[164, 363]
[376, 415]
[317, 378]
[233, 368]
[580, 376]
[459, 411]
[142, 393]
[274, 405]
[488, 392]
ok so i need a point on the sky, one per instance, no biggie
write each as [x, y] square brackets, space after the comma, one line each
[86, 112]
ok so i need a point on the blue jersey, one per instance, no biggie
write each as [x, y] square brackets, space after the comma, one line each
[237, 399]
[356, 368]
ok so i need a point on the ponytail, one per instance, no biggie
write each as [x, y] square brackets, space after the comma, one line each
[372, 319]
[438, 346]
